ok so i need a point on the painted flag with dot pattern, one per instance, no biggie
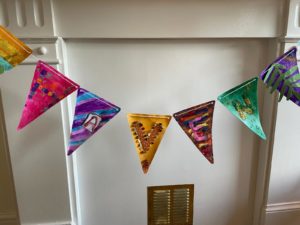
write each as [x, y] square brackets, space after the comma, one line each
[48, 87]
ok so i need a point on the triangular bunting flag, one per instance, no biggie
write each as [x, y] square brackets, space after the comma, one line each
[197, 124]
[241, 101]
[91, 113]
[12, 50]
[283, 75]
[48, 87]
[147, 131]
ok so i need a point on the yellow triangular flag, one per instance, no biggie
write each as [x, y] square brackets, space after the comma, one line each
[147, 131]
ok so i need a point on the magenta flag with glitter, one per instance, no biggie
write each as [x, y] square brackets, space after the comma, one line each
[91, 113]
[48, 87]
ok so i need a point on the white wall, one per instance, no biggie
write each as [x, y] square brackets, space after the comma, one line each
[284, 195]
[155, 76]
[225, 189]
[37, 154]
[284, 190]
[8, 203]
[285, 176]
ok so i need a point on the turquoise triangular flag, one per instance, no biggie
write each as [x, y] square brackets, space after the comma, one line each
[241, 101]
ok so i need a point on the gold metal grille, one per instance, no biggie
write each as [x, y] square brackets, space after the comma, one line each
[171, 205]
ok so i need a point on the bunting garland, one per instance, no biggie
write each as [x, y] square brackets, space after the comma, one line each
[49, 87]
[197, 124]
[241, 101]
[147, 131]
[12, 50]
[91, 113]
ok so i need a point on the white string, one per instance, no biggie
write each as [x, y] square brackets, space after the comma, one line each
[36, 58]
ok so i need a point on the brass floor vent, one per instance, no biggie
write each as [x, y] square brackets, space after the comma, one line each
[171, 205]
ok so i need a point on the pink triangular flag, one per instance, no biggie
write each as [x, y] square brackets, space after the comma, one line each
[48, 87]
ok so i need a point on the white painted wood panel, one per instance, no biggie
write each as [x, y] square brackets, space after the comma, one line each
[156, 76]
[283, 194]
[182, 62]
[283, 218]
[8, 201]
[293, 23]
[169, 19]
[285, 183]
[37, 153]
[27, 18]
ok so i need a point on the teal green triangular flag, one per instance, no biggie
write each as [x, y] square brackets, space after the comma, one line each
[241, 101]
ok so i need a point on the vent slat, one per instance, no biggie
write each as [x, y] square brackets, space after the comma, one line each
[181, 194]
[162, 204]
[180, 206]
[182, 198]
[179, 210]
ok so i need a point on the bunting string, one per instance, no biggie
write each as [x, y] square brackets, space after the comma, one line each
[49, 86]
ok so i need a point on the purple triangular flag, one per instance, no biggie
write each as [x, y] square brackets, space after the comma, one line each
[91, 113]
[283, 75]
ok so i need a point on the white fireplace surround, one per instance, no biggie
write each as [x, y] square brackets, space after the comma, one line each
[53, 28]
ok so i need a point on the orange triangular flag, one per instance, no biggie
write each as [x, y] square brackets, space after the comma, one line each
[147, 131]
[12, 50]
